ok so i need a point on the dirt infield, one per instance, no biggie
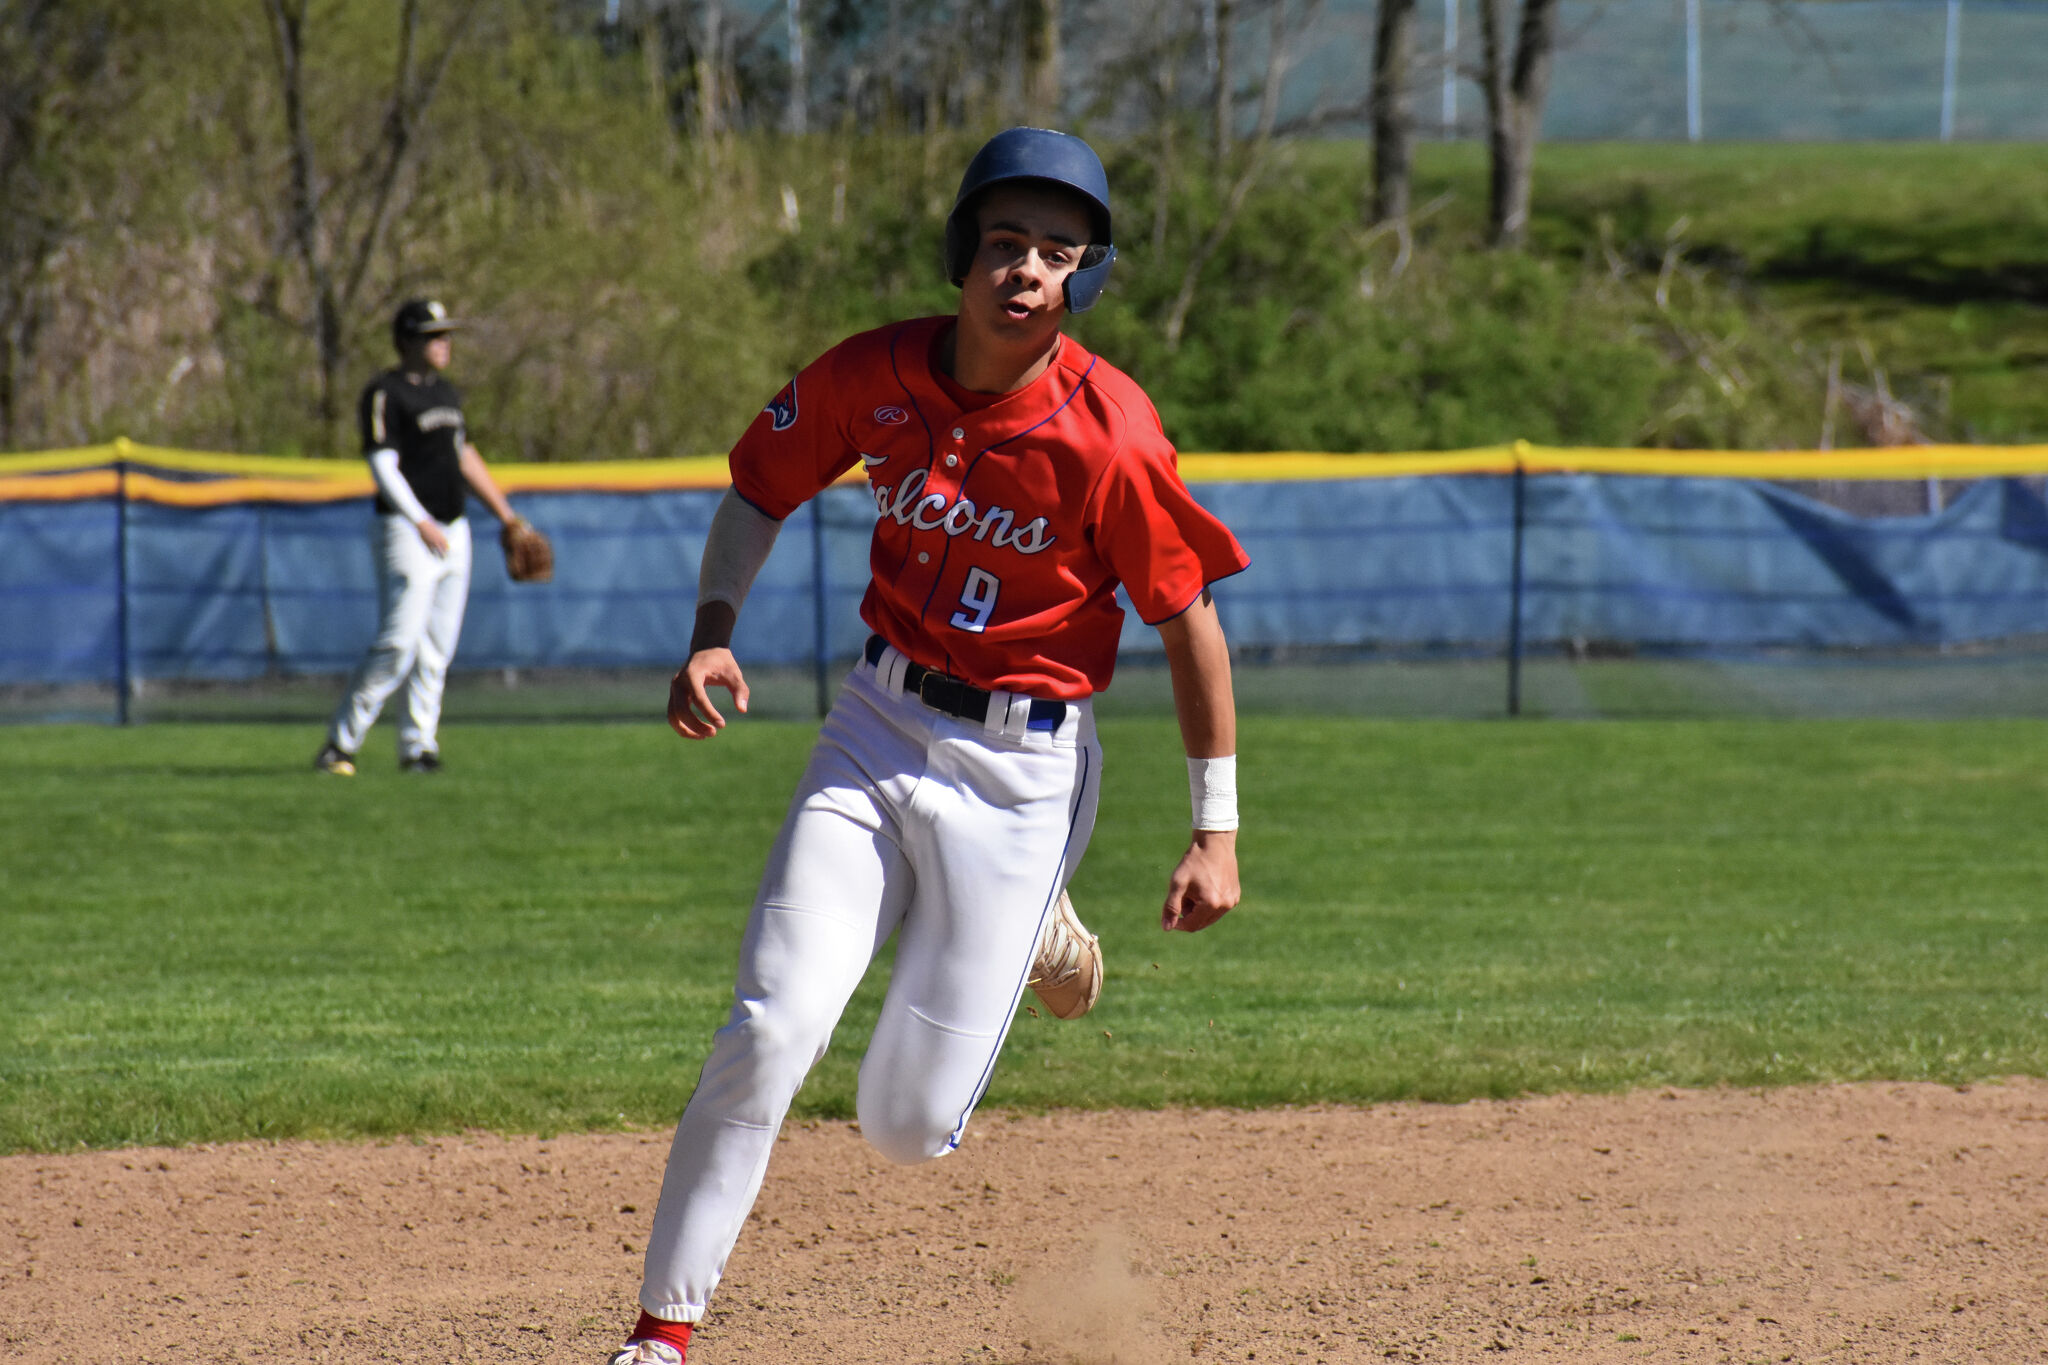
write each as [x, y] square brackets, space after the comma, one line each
[1850, 1223]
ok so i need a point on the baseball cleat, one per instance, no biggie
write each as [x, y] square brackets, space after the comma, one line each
[331, 759]
[428, 762]
[645, 1353]
[1067, 974]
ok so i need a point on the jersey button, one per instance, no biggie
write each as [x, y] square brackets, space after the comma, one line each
[923, 558]
[959, 434]
[952, 459]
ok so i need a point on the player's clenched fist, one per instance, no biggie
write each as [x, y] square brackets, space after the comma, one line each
[1204, 885]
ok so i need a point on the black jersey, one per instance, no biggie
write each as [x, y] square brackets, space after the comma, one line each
[421, 419]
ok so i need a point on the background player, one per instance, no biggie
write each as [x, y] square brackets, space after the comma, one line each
[953, 788]
[414, 439]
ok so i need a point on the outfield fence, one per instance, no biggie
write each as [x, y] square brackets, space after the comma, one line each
[1706, 70]
[138, 584]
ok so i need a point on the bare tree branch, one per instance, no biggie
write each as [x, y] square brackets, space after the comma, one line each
[1393, 121]
[1278, 58]
[1223, 110]
[408, 105]
[1517, 82]
[287, 31]
[1041, 19]
[326, 247]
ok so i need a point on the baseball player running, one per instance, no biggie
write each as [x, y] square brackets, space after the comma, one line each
[412, 429]
[1017, 481]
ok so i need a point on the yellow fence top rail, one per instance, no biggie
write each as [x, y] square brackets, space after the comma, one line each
[211, 479]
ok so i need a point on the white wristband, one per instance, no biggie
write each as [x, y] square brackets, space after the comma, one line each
[1212, 790]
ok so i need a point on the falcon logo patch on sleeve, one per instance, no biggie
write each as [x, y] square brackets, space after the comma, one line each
[781, 409]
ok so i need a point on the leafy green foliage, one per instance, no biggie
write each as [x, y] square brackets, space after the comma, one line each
[640, 292]
[209, 941]
[1933, 257]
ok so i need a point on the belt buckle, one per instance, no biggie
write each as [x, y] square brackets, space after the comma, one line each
[925, 682]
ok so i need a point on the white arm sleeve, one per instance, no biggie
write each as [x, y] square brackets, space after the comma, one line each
[734, 550]
[384, 469]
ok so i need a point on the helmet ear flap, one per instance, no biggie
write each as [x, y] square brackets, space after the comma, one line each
[1084, 286]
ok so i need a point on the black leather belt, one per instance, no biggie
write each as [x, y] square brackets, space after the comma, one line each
[942, 692]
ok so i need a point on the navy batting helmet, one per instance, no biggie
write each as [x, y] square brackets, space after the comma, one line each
[1054, 158]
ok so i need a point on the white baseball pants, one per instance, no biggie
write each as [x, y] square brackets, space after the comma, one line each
[421, 600]
[957, 838]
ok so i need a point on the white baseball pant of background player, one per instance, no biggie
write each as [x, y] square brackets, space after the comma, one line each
[961, 835]
[420, 619]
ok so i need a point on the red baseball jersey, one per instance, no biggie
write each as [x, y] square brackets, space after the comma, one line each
[1005, 521]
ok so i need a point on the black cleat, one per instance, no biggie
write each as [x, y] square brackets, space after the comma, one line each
[331, 759]
[428, 762]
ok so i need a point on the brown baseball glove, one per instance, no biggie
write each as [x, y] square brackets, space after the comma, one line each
[529, 558]
[1067, 974]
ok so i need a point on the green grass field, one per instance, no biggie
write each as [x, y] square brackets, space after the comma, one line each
[205, 941]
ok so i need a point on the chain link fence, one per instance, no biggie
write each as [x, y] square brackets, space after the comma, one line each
[1718, 70]
[1520, 580]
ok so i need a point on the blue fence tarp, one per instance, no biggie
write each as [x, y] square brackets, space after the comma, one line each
[60, 591]
[1684, 564]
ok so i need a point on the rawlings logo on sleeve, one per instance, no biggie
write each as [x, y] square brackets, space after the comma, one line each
[781, 409]
[934, 512]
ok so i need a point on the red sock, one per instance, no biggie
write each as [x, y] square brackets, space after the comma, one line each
[651, 1328]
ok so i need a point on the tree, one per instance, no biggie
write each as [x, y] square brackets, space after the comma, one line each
[338, 222]
[796, 118]
[1285, 26]
[1041, 19]
[1517, 82]
[1393, 116]
[52, 59]
[1223, 93]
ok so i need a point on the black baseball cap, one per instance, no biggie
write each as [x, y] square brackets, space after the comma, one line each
[422, 318]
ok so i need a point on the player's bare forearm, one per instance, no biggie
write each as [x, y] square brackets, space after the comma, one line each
[1204, 885]
[711, 664]
[478, 476]
[1198, 659]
